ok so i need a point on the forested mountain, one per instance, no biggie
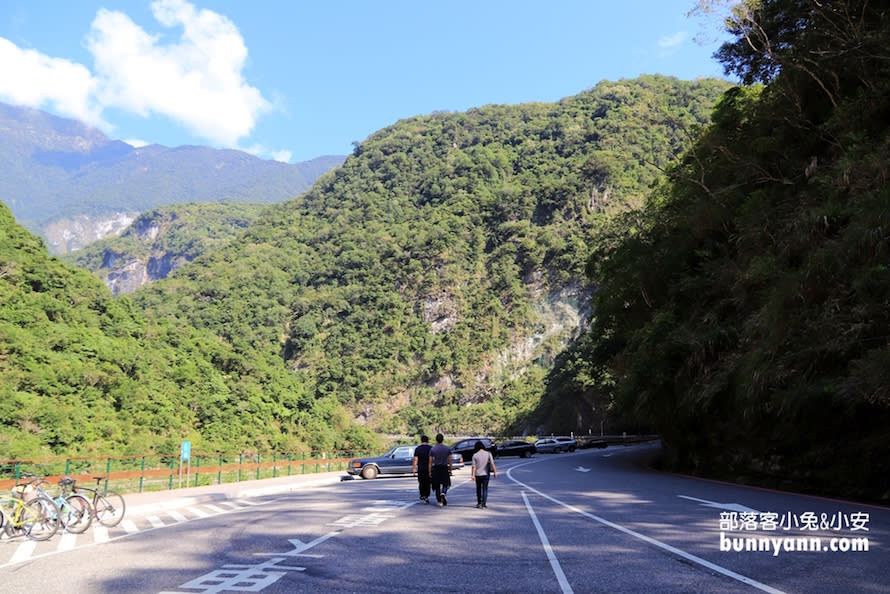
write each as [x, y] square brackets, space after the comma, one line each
[625, 255]
[161, 240]
[430, 281]
[72, 184]
[744, 312]
[425, 284]
[82, 372]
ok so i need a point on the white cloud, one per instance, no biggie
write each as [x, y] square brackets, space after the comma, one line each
[136, 142]
[196, 81]
[283, 156]
[30, 78]
[672, 41]
[258, 150]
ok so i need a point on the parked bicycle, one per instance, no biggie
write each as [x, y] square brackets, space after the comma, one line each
[73, 509]
[26, 512]
[107, 506]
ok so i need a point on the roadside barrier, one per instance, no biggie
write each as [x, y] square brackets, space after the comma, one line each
[157, 473]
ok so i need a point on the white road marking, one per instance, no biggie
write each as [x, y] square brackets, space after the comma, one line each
[230, 504]
[727, 506]
[100, 534]
[554, 562]
[177, 516]
[664, 546]
[582, 469]
[129, 526]
[198, 512]
[23, 552]
[155, 521]
[214, 508]
[300, 546]
[67, 542]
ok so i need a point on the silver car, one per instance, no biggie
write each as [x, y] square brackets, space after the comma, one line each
[554, 445]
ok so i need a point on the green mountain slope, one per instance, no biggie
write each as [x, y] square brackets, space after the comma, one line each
[161, 240]
[82, 372]
[60, 172]
[431, 279]
[745, 312]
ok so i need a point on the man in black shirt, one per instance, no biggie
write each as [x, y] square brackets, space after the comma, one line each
[442, 466]
[421, 467]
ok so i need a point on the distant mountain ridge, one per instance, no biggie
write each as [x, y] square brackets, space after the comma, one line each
[72, 184]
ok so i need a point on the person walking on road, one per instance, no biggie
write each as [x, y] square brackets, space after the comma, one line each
[441, 468]
[421, 467]
[480, 470]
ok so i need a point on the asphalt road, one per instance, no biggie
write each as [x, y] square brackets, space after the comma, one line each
[590, 521]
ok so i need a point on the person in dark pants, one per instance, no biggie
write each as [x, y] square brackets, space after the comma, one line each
[421, 467]
[480, 470]
[441, 468]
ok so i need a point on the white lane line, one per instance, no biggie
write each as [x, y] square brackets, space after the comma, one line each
[230, 505]
[177, 516]
[554, 562]
[198, 512]
[664, 546]
[129, 526]
[247, 502]
[67, 542]
[155, 521]
[214, 508]
[23, 552]
[100, 534]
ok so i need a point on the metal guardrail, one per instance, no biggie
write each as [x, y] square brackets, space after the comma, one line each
[157, 473]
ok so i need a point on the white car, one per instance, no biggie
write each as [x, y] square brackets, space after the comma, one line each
[556, 444]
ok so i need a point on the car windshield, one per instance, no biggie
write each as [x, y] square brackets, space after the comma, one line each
[400, 452]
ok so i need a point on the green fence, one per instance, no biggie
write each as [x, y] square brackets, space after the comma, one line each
[157, 472]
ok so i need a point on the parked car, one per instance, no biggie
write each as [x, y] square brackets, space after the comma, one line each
[515, 447]
[397, 461]
[556, 444]
[592, 442]
[466, 447]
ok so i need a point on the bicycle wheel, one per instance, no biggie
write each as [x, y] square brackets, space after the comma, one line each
[40, 519]
[110, 508]
[75, 514]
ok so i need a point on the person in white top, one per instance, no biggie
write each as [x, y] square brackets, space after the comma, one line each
[482, 467]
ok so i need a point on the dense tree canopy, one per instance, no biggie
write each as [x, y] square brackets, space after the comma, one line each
[744, 311]
[419, 282]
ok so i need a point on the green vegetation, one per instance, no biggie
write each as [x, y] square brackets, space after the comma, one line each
[624, 256]
[423, 283]
[744, 313]
[84, 373]
[427, 283]
[165, 238]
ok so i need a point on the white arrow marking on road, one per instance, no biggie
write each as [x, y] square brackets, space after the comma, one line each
[582, 469]
[727, 506]
[300, 546]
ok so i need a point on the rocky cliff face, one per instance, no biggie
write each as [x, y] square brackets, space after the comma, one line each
[67, 235]
[159, 241]
[125, 275]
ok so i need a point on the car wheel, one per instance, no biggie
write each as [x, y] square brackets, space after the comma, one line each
[523, 454]
[571, 448]
[369, 472]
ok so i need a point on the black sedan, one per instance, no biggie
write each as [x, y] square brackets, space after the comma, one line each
[398, 461]
[467, 447]
[515, 447]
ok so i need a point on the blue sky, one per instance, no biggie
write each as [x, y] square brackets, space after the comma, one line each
[293, 80]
